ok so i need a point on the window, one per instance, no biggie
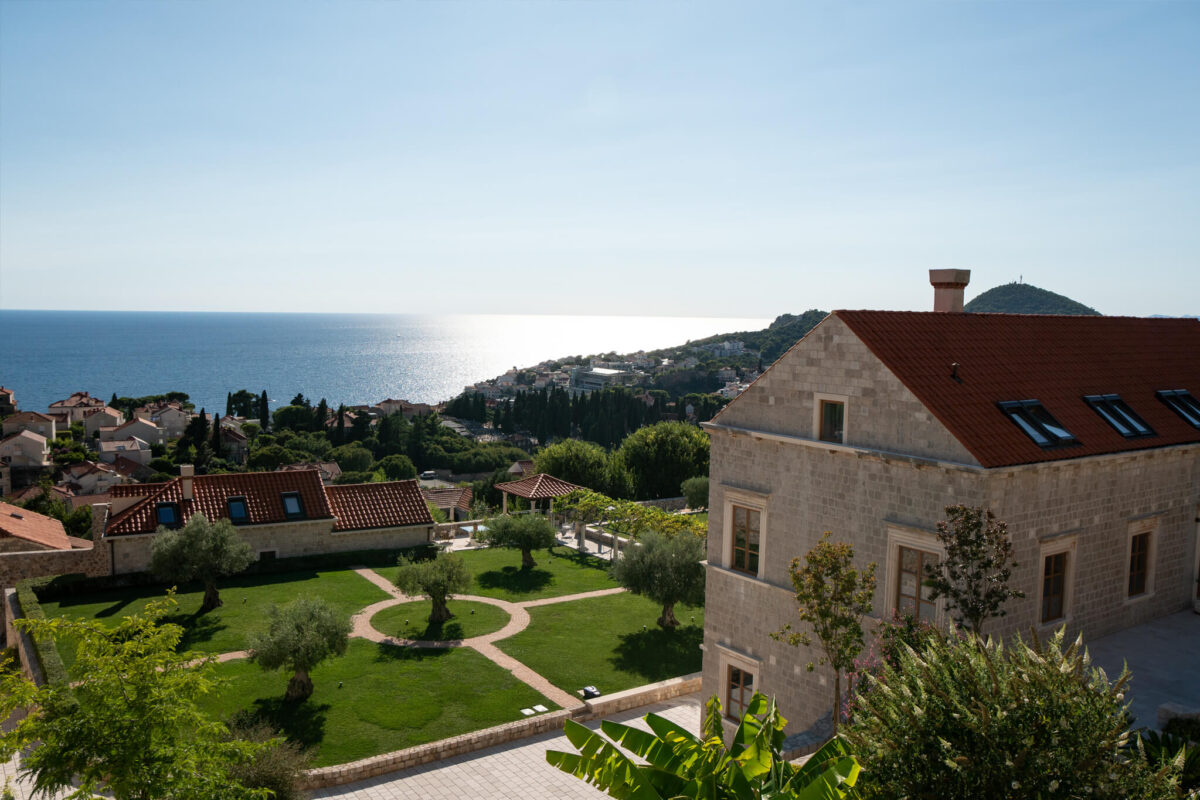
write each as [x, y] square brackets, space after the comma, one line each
[833, 421]
[739, 688]
[1054, 587]
[1183, 404]
[1116, 413]
[267, 555]
[238, 513]
[1037, 423]
[292, 507]
[746, 531]
[912, 596]
[1139, 563]
[167, 514]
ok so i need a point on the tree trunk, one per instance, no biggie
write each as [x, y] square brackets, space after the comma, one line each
[211, 598]
[440, 612]
[300, 687]
[667, 620]
[837, 699]
[527, 561]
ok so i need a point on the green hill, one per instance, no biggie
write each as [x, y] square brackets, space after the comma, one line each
[1021, 298]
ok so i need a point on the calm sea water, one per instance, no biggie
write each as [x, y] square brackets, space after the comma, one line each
[348, 358]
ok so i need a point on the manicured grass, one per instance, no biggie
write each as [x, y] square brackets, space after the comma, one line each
[247, 602]
[411, 621]
[390, 698]
[496, 572]
[600, 642]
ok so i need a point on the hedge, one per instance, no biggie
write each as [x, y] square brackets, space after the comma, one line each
[44, 648]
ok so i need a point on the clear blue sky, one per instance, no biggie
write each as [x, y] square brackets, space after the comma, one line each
[681, 158]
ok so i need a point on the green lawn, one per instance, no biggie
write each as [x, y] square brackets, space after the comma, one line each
[390, 698]
[247, 601]
[411, 621]
[600, 642]
[496, 572]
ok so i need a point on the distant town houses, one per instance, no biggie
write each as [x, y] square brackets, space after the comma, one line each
[139, 427]
[328, 470]
[42, 424]
[90, 478]
[76, 406]
[170, 416]
[25, 450]
[132, 448]
[8, 403]
[98, 418]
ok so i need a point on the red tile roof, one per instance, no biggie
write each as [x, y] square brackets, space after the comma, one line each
[262, 491]
[135, 489]
[1054, 359]
[538, 487]
[76, 400]
[32, 527]
[359, 506]
[453, 497]
[29, 416]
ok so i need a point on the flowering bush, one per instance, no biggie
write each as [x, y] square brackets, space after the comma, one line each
[962, 718]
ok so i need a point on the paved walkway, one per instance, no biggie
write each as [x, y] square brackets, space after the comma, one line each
[1164, 657]
[515, 771]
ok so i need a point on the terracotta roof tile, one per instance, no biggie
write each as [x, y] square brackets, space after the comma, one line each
[359, 506]
[29, 416]
[262, 490]
[32, 527]
[1053, 359]
[538, 487]
[453, 497]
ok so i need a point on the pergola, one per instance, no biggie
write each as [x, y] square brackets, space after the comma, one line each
[534, 488]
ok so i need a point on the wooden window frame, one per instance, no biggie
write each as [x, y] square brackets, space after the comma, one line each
[913, 539]
[1065, 546]
[1137, 529]
[752, 501]
[820, 399]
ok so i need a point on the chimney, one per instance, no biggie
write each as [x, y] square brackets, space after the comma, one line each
[948, 285]
[186, 471]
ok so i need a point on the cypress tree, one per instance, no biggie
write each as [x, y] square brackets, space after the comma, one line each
[228, 403]
[217, 448]
[264, 414]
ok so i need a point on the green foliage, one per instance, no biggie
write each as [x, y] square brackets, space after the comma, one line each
[575, 461]
[277, 765]
[628, 517]
[964, 718]
[1187, 728]
[695, 491]
[76, 522]
[200, 551]
[352, 457]
[357, 477]
[1161, 750]
[833, 597]
[128, 725]
[301, 635]
[438, 515]
[45, 650]
[272, 456]
[293, 417]
[397, 467]
[439, 579]
[1022, 298]
[675, 763]
[666, 569]
[662, 456]
[526, 532]
[978, 564]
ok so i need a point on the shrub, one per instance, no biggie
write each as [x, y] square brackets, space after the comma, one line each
[278, 766]
[695, 490]
[964, 718]
[1187, 728]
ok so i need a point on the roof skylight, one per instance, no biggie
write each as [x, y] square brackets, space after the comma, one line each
[1183, 404]
[1037, 423]
[1117, 413]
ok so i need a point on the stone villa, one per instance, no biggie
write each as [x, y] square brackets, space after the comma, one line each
[1082, 433]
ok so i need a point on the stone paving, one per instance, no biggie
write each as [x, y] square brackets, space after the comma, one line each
[1164, 657]
[516, 771]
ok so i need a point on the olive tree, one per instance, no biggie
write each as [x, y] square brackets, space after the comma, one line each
[300, 635]
[200, 551]
[438, 578]
[525, 532]
[666, 569]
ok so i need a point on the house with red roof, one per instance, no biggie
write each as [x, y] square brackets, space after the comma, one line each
[282, 514]
[97, 418]
[75, 407]
[146, 430]
[1081, 433]
[24, 531]
[31, 421]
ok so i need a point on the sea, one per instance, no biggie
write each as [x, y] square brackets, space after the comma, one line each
[344, 358]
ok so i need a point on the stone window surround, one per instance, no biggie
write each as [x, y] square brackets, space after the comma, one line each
[917, 539]
[755, 501]
[844, 399]
[1048, 547]
[729, 657]
[1136, 527]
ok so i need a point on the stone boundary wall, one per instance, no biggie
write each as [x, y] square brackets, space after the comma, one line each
[16, 567]
[433, 751]
[1170, 711]
[666, 503]
[649, 694]
[638, 696]
[23, 642]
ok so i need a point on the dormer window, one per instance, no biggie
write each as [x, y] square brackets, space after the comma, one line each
[292, 507]
[1037, 423]
[1183, 404]
[167, 514]
[238, 514]
[1119, 415]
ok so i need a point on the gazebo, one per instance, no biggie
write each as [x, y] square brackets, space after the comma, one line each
[534, 488]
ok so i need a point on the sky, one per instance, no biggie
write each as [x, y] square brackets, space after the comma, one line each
[668, 158]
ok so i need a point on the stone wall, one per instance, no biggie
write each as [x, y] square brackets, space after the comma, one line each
[639, 696]
[16, 567]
